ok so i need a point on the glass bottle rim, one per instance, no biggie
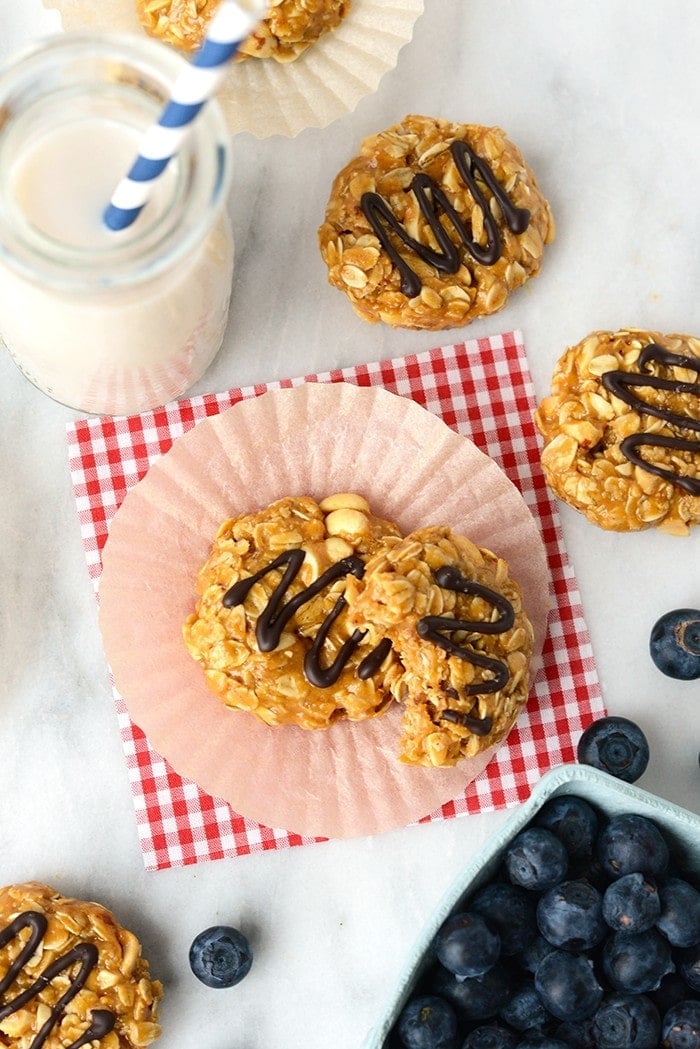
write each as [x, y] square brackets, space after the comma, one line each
[144, 71]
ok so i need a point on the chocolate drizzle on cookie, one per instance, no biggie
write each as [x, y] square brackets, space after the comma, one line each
[439, 630]
[277, 614]
[324, 677]
[621, 384]
[84, 955]
[372, 662]
[431, 199]
[477, 726]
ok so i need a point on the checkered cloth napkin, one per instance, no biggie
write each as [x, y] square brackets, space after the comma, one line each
[483, 390]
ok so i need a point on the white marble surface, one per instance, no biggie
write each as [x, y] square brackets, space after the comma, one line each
[604, 100]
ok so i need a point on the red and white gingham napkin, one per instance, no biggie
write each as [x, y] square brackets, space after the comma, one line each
[483, 390]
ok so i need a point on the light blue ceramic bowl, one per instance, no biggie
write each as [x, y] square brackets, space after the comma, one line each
[609, 795]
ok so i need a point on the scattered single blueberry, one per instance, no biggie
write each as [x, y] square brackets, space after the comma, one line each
[536, 859]
[674, 644]
[627, 1021]
[632, 903]
[466, 945]
[630, 844]
[680, 1028]
[220, 956]
[428, 1022]
[636, 962]
[615, 745]
[509, 911]
[568, 986]
[570, 915]
[573, 820]
[679, 919]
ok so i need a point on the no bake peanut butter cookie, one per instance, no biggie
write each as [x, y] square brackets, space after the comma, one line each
[285, 32]
[311, 612]
[434, 224]
[271, 628]
[455, 620]
[71, 975]
[622, 430]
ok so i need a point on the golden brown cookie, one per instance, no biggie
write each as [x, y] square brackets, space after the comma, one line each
[288, 28]
[434, 224]
[182, 23]
[291, 26]
[270, 627]
[622, 430]
[71, 975]
[457, 625]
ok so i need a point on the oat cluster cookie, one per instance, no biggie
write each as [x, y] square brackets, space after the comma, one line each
[71, 975]
[622, 430]
[288, 28]
[258, 658]
[434, 224]
[311, 612]
[181, 23]
[456, 622]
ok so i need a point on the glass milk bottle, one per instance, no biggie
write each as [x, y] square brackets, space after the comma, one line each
[108, 322]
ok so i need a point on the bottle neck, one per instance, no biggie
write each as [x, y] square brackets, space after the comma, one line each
[76, 112]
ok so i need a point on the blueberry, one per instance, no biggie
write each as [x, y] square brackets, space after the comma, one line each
[680, 1028]
[590, 870]
[535, 1040]
[615, 745]
[428, 1022]
[570, 915]
[491, 1036]
[594, 953]
[536, 859]
[576, 1035]
[627, 1021]
[674, 644]
[671, 990]
[636, 962]
[509, 911]
[533, 954]
[574, 822]
[679, 920]
[631, 844]
[477, 997]
[689, 966]
[631, 904]
[466, 946]
[567, 985]
[220, 956]
[525, 1009]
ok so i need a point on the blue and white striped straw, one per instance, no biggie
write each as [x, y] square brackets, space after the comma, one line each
[230, 25]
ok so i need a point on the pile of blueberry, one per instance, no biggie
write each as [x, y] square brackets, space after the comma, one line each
[587, 937]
